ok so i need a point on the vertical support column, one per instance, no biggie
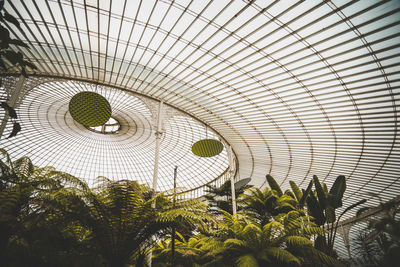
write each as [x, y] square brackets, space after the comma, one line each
[158, 134]
[12, 102]
[231, 175]
[173, 227]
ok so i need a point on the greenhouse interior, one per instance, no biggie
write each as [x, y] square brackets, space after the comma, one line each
[196, 133]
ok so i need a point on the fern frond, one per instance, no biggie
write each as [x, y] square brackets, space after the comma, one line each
[234, 243]
[247, 260]
[23, 166]
[298, 241]
[311, 254]
[282, 256]
[270, 229]
[251, 232]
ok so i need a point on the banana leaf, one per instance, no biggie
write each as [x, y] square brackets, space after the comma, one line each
[305, 194]
[315, 210]
[320, 192]
[330, 215]
[296, 190]
[335, 195]
[274, 185]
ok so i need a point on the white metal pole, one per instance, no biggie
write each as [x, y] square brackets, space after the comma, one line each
[231, 174]
[12, 102]
[158, 134]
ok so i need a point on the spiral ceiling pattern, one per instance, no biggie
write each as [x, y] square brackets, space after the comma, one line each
[50, 136]
[297, 88]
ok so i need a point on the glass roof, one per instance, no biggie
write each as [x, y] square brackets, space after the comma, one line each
[50, 136]
[296, 87]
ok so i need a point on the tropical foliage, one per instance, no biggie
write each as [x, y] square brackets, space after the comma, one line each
[262, 205]
[284, 241]
[220, 198]
[50, 218]
[322, 205]
[270, 230]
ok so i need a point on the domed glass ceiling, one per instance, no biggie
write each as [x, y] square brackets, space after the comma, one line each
[296, 87]
[50, 136]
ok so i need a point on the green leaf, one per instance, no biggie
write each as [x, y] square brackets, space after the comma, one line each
[234, 243]
[337, 190]
[330, 215]
[298, 241]
[15, 130]
[247, 260]
[11, 56]
[30, 65]
[289, 193]
[305, 194]
[320, 192]
[4, 37]
[270, 229]
[282, 256]
[274, 185]
[23, 166]
[362, 201]
[315, 210]
[296, 190]
[251, 230]
[11, 110]
[325, 187]
[18, 43]
[11, 19]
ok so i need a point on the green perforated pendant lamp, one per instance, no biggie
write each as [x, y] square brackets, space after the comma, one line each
[90, 109]
[207, 148]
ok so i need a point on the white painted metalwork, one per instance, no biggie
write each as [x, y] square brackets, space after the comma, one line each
[158, 133]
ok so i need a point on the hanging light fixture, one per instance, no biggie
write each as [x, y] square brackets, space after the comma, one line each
[207, 147]
[90, 109]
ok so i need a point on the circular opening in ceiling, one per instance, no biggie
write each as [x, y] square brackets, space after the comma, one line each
[110, 127]
[90, 109]
[207, 148]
